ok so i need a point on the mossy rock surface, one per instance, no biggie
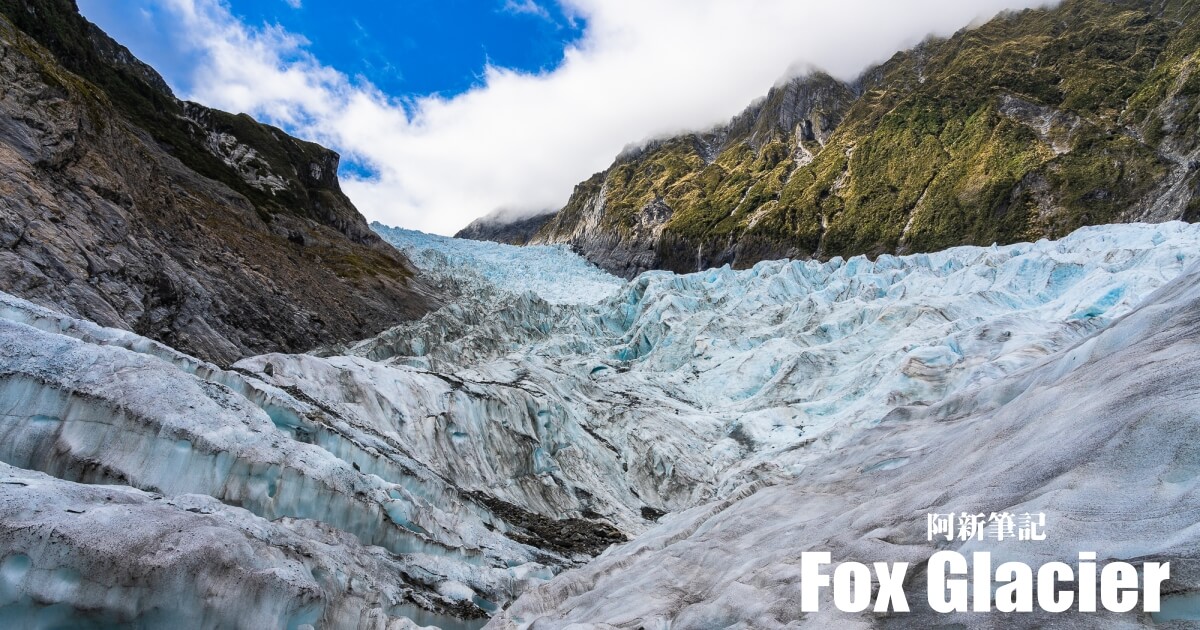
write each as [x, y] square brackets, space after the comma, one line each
[1029, 126]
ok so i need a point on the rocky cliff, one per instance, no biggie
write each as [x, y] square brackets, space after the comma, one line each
[498, 227]
[1028, 126]
[209, 231]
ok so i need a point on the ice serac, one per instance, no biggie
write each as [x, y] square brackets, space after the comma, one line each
[102, 556]
[787, 381]
[705, 381]
[94, 405]
[1101, 437]
[551, 273]
[206, 230]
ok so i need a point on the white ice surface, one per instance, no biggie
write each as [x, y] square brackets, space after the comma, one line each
[101, 406]
[561, 391]
[1103, 438]
[702, 382]
[550, 271]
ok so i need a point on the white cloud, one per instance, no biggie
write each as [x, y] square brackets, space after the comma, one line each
[521, 141]
[295, 4]
[529, 7]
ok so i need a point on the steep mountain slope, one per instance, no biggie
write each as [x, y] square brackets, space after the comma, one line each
[499, 228]
[1029, 126]
[205, 230]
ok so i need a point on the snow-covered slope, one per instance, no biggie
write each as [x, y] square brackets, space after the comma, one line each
[551, 271]
[550, 411]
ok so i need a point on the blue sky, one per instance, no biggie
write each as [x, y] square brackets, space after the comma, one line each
[405, 47]
[446, 110]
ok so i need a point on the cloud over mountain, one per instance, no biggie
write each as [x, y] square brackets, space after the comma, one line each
[521, 141]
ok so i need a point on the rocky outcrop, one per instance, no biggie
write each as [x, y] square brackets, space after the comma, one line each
[1029, 126]
[498, 227]
[205, 230]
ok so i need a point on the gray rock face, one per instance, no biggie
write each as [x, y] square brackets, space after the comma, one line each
[581, 225]
[498, 228]
[113, 53]
[207, 231]
[809, 107]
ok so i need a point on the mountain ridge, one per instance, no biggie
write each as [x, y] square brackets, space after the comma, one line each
[1025, 127]
[202, 229]
[500, 228]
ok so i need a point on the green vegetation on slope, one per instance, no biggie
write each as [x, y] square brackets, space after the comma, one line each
[1029, 126]
[137, 92]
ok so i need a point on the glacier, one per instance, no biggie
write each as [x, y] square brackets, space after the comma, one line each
[1101, 437]
[552, 272]
[559, 446]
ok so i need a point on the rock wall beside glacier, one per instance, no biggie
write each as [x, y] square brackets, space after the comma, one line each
[1021, 128]
[501, 227]
[208, 231]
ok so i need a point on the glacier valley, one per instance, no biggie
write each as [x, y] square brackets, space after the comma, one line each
[557, 447]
